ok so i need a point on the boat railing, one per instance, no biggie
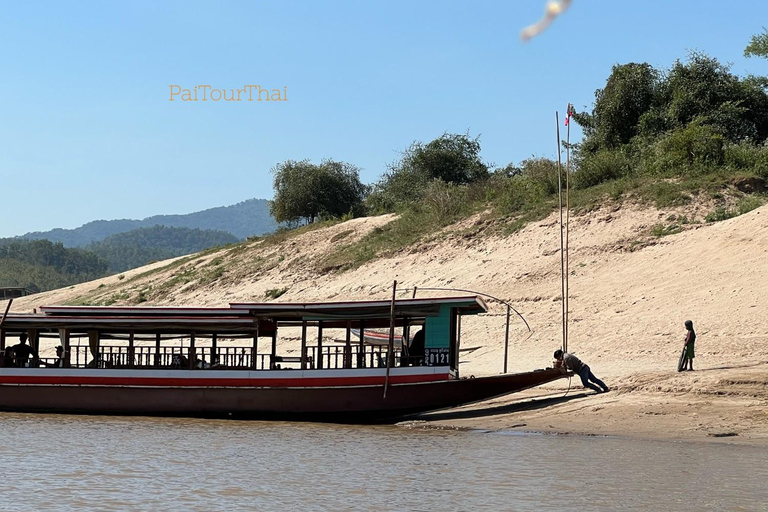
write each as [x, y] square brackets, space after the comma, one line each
[230, 357]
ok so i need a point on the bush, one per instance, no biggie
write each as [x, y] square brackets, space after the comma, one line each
[747, 157]
[599, 167]
[695, 149]
[745, 205]
[544, 172]
[443, 201]
[275, 292]
[513, 195]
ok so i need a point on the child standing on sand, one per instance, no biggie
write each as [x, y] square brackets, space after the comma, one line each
[690, 338]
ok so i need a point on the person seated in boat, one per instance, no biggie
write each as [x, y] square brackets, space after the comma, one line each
[8, 359]
[568, 362]
[179, 361]
[417, 348]
[61, 359]
[22, 351]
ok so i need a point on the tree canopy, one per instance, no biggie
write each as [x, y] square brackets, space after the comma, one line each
[41, 265]
[450, 158]
[758, 45]
[304, 190]
[683, 120]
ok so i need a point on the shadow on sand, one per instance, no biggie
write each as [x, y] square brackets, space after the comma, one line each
[480, 412]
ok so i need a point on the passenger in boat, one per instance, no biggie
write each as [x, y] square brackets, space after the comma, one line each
[417, 348]
[569, 362]
[61, 360]
[22, 351]
[8, 360]
[690, 339]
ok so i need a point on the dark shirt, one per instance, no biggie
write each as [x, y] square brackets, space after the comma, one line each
[691, 338]
[23, 351]
[572, 363]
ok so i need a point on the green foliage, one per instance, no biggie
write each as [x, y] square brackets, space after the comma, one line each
[745, 205]
[140, 246]
[630, 92]
[543, 173]
[274, 293]
[451, 158]
[601, 166]
[41, 265]
[304, 190]
[689, 120]
[516, 194]
[659, 230]
[758, 45]
[706, 90]
[695, 148]
[747, 157]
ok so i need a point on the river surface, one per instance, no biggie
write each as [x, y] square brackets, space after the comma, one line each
[54, 462]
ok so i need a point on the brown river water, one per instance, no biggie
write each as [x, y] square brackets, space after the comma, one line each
[55, 462]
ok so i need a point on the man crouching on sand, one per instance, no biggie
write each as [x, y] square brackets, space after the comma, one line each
[572, 363]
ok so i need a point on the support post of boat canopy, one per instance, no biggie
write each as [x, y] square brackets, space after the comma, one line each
[255, 348]
[273, 355]
[93, 346]
[361, 346]
[319, 362]
[303, 344]
[2, 339]
[457, 346]
[348, 347]
[192, 351]
[64, 337]
[34, 339]
[131, 348]
[405, 341]
[157, 350]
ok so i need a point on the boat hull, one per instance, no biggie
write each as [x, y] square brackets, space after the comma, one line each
[357, 397]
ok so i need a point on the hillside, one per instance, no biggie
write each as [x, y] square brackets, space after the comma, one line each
[140, 246]
[44, 265]
[243, 219]
[631, 291]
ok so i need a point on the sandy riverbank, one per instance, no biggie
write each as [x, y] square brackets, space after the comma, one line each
[714, 409]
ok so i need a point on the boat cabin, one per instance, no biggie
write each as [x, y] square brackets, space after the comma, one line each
[246, 336]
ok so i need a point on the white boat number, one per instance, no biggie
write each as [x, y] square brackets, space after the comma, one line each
[437, 356]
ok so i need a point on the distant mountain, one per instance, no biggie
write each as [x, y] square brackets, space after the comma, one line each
[140, 246]
[244, 219]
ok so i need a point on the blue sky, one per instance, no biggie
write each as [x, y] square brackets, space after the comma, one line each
[87, 130]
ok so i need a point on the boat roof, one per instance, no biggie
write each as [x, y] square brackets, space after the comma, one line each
[143, 311]
[239, 317]
[429, 306]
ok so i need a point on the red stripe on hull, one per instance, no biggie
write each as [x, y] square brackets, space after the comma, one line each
[305, 382]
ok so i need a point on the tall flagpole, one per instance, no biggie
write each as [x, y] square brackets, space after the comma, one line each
[567, 220]
[560, 201]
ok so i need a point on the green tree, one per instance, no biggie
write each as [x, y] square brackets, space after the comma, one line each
[758, 45]
[630, 92]
[451, 158]
[705, 89]
[304, 190]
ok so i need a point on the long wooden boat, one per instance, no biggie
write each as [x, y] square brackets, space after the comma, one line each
[187, 361]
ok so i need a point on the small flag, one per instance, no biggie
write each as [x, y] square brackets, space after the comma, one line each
[568, 113]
